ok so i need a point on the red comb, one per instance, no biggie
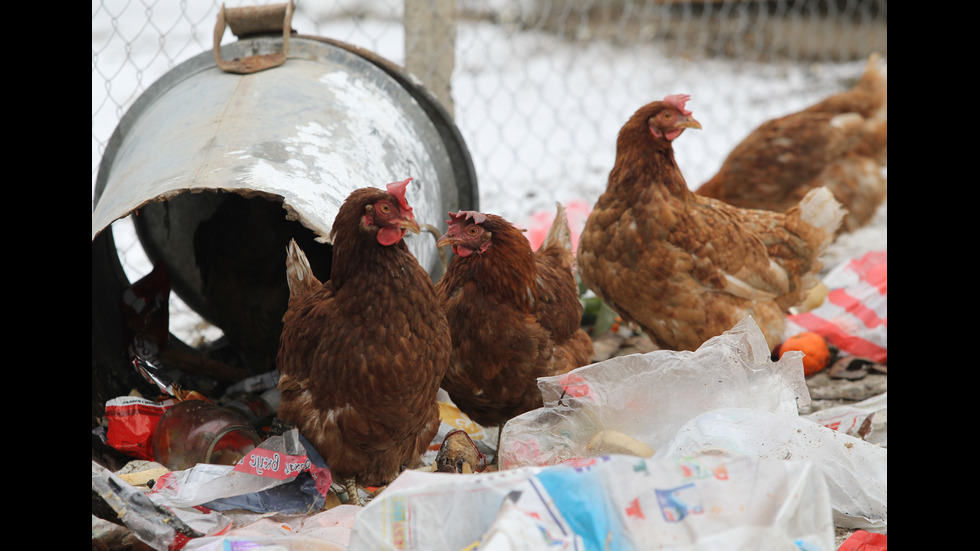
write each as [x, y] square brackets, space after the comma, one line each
[678, 101]
[398, 190]
[477, 217]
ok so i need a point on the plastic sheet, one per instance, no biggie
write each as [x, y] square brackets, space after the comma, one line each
[854, 315]
[257, 483]
[325, 531]
[607, 502]
[856, 471]
[867, 419]
[727, 397]
[649, 396]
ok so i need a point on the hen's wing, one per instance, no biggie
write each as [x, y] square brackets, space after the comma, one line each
[498, 352]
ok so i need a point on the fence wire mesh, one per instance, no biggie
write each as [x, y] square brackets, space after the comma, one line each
[524, 77]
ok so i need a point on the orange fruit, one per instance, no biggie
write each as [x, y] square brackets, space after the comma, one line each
[816, 353]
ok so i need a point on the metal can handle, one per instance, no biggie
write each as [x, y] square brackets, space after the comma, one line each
[251, 20]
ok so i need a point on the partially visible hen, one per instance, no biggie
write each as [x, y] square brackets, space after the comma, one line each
[840, 142]
[514, 314]
[239, 251]
[362, 354]
[685, 267]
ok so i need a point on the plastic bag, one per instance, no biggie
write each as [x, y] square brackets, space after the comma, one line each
[856, 471]
[866, 419]
[854, 315]
[131, 422]
[162, 527]
[607, 502]
[649, 396]
[254, 483]
[669, 401]
[324, 531]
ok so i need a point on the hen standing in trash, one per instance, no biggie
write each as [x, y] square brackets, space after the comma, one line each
[362, 354]
[514, 314]
[684, 267]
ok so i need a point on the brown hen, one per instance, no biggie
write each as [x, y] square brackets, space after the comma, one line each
[514, 314]
[685, 267]
[362, 354]
[841, 143]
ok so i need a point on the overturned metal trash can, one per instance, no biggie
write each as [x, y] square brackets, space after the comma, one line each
[299, 136]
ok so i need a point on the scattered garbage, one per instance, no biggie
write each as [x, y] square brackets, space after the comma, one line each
[862, 540]
[198, 431]
[282, 474]
[854, 315]
[689, 449]
[728, 397]
[606, 502]
[866, 419]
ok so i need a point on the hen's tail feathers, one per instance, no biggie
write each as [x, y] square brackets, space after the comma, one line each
[821, 210]
[299, 274]
[559, 234]
[875, 82]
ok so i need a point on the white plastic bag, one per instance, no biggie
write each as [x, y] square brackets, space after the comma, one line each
[867, 419]
[325, 531]
[608, 502]
[856, 471]
[649, 396]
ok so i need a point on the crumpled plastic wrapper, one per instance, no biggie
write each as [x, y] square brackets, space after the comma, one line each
[159, 526]
[649, 396]
[867, 419]
[224, 486]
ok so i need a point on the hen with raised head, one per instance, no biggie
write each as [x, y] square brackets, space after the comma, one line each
[840, 142]
[362, 354]
[514, 314]
[684, 267]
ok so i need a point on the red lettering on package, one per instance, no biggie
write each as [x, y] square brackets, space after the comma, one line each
[273, 464]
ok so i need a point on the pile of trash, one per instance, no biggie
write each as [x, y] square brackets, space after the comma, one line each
[721, 447]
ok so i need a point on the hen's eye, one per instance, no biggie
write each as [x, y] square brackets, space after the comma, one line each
[472, 230]
[667, 115]
[385, 208]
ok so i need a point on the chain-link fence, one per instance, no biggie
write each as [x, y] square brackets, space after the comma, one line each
[538, 88]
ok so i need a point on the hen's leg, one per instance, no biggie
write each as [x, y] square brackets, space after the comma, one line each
[350, 484]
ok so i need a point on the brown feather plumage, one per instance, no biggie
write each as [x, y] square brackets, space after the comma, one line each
[362, 354]
[685, 267]
[840, 142]
[514, 315]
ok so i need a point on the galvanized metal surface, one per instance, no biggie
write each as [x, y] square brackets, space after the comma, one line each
[310, 131]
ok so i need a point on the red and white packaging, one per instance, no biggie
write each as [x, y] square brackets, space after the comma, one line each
[854, 316]
[131, 423]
